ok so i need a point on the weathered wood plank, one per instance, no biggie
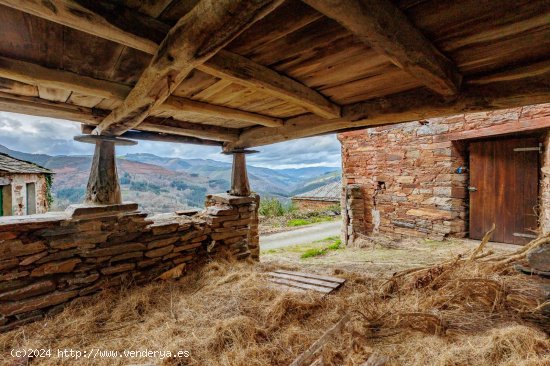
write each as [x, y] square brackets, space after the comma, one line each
[386, 29]
[312, 275]
[188, 105]
[198, 36]
[306, 286]
[312, 281]
[27, 72]
[34, 74]
[230, 66]
[408, 106]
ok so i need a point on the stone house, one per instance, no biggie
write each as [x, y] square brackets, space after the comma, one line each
[23, 187]
[320, 198]
[450, 177]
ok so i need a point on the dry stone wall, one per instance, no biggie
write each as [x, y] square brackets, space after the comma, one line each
[409, 177]
[47, 260]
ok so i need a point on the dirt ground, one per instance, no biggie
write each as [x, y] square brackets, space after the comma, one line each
[376, 260]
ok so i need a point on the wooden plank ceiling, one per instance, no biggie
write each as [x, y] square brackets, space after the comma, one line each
[252, 72]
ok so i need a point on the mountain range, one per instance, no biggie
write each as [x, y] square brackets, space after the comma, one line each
[163, 184]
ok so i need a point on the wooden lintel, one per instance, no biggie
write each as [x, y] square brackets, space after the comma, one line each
[387, 30]
[195, 38]
[404, 107]
[241, 70]
[37, 75]
[121, 31]
[40, 107]
[159, 137]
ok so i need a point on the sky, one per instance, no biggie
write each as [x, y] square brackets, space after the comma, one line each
[41, 135]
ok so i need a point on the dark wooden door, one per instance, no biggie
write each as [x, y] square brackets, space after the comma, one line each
[504, 189]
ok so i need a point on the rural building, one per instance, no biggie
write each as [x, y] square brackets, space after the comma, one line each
[24, 187]
[240, 74]
[451, 176]
[320, 198]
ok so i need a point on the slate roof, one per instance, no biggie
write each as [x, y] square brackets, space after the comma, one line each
[12, 165]
[329, 192]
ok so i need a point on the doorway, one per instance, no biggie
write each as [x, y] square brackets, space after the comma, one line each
[504, 189]
[31, 198]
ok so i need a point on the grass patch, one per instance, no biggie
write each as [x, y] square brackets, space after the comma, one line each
[298, 222]
[315, 252]
[308, 221]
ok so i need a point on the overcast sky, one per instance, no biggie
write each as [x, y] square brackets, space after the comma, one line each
[40, 135]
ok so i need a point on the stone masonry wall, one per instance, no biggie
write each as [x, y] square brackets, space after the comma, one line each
[47, 260]
[408, 173]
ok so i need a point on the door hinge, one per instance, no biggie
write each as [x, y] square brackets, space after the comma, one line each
[538, 148]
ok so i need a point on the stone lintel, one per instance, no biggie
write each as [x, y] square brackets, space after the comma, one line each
[230, 199]
[81, 211]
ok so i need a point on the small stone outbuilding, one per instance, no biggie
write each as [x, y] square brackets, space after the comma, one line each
[23, 186]
[454, 176]
[320, 198]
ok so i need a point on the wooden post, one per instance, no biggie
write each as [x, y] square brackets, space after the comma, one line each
[239, 176]
[103, 186]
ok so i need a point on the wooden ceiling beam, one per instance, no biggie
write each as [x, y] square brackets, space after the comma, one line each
[404, 107]
[85, 19]
[43, 108]
[241, 70]
[179, 104]
[386, 29]
[38, 75]
[158, 137]
[195, 38]
[97, 22]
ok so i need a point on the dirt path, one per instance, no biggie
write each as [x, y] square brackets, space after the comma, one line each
[305, 235]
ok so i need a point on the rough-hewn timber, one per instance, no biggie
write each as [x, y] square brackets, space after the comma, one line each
[386, 29]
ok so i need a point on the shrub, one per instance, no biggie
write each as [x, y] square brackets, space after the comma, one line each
[271, 207]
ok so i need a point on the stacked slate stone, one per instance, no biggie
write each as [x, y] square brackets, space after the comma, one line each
[47, 260]
[230, 219]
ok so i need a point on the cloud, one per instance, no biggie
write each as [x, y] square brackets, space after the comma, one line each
[40, 135]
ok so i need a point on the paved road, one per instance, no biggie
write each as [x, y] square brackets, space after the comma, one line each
[304, 235]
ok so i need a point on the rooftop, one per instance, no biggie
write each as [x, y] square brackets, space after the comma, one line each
[329, 192]
[10, 164]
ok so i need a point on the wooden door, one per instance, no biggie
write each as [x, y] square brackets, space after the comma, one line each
[504, 189]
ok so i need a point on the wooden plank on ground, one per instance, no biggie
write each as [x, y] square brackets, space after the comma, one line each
[310, 275]
[313, 281]
[306, 286]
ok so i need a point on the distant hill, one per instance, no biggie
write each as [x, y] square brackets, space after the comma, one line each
[163, 184]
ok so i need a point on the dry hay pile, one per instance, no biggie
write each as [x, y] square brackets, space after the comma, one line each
[472, 310]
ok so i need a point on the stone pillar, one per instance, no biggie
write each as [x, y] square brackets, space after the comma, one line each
[239, 176]
[103, 186]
